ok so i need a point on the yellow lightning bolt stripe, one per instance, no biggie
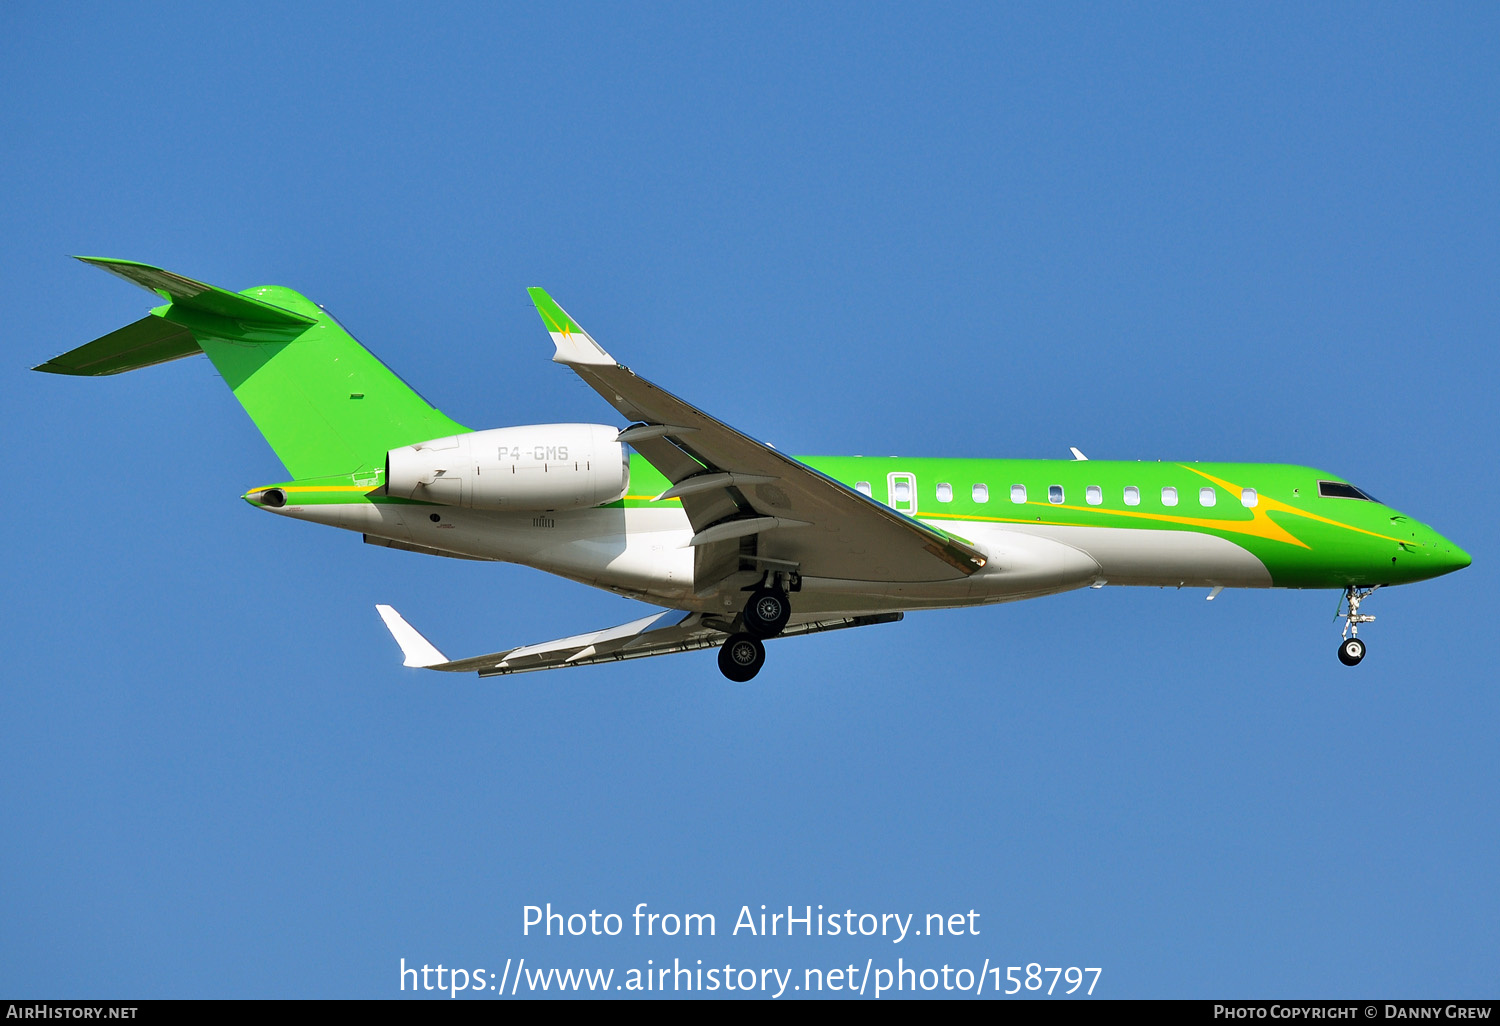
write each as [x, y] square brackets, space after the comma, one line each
[1259, 527]
[372, 488]
[552, 325]
[1260, 524]
[1267, 504]
[315, 488]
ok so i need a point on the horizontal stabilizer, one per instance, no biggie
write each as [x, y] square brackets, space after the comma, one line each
[144, 343]
[197, 295]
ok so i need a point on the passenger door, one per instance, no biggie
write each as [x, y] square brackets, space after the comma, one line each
[902, 491]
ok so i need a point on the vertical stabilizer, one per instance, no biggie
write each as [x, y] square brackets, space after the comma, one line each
[325, 403]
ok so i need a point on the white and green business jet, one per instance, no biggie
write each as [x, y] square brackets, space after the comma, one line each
[740, 542]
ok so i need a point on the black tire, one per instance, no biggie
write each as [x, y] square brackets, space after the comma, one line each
[767, 612]
[1351, 651]
[741, 657]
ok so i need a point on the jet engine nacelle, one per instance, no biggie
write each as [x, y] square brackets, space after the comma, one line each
[531, 468]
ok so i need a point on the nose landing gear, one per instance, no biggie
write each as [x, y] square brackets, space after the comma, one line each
[1351, 649]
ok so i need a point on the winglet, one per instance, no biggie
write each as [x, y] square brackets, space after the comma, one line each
[417, 649]
[574, 345]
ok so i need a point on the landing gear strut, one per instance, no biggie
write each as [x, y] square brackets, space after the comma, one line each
[765, 616]
[741, 657]
[1351, 649]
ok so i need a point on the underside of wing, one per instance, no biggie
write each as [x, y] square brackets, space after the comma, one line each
[748, 504]
[660, 634]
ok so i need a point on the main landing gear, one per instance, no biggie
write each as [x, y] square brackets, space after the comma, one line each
[741, 657]
[767, 612]
[765, 615]
[1351, 649]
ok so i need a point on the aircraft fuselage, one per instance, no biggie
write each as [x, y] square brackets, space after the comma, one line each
[1046, 526]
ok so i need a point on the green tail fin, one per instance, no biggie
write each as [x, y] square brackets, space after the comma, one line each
[325, 403]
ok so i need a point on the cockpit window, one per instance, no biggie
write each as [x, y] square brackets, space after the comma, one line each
[1340, 490]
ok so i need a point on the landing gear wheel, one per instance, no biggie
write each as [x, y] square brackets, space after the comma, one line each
[767, 612]
[1351, 651]
[741, 657]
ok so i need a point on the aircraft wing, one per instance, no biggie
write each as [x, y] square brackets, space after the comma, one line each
[735, 489]
[661, 634]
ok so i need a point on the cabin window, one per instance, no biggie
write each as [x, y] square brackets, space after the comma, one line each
[945, 493]
[1094, 494]
[1055, 494]
[863, 487]
[1132, 495]
[981, 493]
[1207, 496]
[902, 489]
[1169, 496]
[1017, 493]
[1248, 498]
[1342, 490]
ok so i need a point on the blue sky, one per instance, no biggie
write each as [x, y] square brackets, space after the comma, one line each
[1213, 232]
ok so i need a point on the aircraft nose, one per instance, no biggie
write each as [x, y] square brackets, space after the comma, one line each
[1460, 558]
[1450, 556]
